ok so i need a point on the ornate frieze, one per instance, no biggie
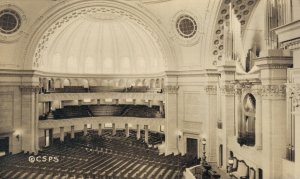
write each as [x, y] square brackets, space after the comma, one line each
[292, 45]
[211, 89]
[171, 88]
[228, 89]
[29, 89]
[273, 90]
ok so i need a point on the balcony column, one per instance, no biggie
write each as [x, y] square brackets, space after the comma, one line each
[127, 130]
[100, 129]
[114, 129]
[171, 115]
[146, 134]
[62, 134]
[150, 103]
[258, 124]
[72, 132]
[138, 131]
[85, 130]
[30, 119]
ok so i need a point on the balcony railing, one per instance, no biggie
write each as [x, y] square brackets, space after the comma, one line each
[220, 124]
[246, 138]
[290, 153]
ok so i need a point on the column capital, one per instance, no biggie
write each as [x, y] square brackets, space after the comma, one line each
[211, 89]
[29, 88]
[171, 88]
[293, 91]
[273, 90]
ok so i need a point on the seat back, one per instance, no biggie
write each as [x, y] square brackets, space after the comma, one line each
[252, 173]
[242, 168]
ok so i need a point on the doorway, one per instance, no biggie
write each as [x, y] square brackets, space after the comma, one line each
[221, 155]
[192, 147]
[4, 146]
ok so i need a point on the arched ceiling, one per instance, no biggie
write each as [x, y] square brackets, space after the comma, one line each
[100, 40]
[105, 44]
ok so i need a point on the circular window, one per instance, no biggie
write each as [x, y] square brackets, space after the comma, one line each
[9, 21]
[186, 26]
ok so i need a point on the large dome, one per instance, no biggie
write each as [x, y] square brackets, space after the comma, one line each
[102, 44]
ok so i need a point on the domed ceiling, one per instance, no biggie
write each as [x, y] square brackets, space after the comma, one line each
[102, 44]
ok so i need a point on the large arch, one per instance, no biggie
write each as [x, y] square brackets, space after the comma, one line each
[55, 18]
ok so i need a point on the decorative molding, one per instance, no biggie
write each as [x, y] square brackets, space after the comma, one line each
[293, 92]
[273, 90]
[171, 89]
[291, 45]
[228, 89]
[211, 89]
[29, 89]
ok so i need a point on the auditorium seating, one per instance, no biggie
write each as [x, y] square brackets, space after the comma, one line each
[71, 112]
[142, 111]
[107, 110]
[71, 89]
[95, 89]
[98, 89]
[104, 110]
[94, 156]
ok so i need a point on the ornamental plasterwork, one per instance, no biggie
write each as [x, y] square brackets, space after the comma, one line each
[7, 38]
[227, 89]
[94, 12]
[211, 89]
[29, 89]
[273, 90]
[293, 91]
[292, 45]
[171, 89]
[263, 90]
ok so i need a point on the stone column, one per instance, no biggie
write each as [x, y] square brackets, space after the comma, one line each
[127, 130]
[171, 119]
[30, 118]
[138, 131]
[72, 132]
[146, 134]
[227, 97]
[273, 104]
[85, 130]
[100, 129]
[114, 132]
[61, 134]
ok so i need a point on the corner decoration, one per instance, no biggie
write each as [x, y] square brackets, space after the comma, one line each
[185, 28]
[12, 20]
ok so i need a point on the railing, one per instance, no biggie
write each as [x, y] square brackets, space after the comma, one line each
[220, 124]
[246, 138]
[290, 153]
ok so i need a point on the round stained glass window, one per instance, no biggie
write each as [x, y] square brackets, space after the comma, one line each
[186, 26]
[9, 21]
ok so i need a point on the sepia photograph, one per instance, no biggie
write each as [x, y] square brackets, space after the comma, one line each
[149, 89]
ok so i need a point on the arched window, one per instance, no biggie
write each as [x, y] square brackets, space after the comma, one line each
[247, 122]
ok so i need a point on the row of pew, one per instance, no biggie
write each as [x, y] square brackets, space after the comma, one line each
[104, 110]
[93, 156]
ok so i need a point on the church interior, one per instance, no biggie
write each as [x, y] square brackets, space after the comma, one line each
[160, 89]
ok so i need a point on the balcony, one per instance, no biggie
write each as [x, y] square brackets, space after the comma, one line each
[246, 138]
[219, 124]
